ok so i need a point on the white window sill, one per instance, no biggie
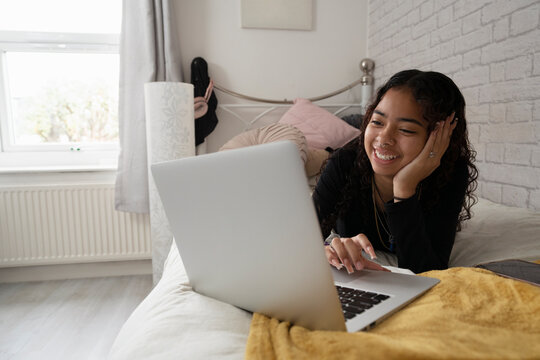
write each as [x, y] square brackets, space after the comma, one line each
[41, 162]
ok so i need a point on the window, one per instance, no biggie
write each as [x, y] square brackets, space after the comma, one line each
[59, 86]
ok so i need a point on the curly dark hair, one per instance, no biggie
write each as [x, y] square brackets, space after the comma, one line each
[439, 97]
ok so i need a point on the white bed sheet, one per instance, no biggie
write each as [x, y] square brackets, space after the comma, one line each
[175, 322]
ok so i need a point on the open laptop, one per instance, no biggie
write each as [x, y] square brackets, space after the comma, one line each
[247, 232]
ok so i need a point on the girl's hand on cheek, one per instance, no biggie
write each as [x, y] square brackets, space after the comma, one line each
[429, 159]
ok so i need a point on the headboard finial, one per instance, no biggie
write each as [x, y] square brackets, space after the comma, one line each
[367, 66]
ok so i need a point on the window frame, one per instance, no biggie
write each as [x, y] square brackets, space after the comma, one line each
[95, 155]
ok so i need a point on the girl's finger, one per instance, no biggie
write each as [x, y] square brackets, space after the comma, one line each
[332, 257]
[365, 244]
[448, 127]
[354, 250]
[342, 253]
[428, 147]
[374, 266]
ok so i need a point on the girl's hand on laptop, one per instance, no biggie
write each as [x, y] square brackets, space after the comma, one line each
[348, 252]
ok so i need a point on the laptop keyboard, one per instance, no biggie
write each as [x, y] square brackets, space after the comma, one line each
[354, 301]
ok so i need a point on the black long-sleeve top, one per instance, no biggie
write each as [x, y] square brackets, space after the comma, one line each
[423, 239]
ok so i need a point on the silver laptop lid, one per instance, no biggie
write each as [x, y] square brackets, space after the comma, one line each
[247, 232]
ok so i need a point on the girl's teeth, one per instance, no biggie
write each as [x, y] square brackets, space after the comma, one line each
[385, 157]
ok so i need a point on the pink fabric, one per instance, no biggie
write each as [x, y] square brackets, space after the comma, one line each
[201, 103]
[321, 128]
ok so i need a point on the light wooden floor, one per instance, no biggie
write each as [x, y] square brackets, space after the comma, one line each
[66, 319]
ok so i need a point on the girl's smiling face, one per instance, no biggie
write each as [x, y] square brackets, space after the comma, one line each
[396, 133]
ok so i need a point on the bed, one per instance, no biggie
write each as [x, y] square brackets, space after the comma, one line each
[475, 314]
[472, 313]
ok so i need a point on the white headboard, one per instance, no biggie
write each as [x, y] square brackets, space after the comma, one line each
[235, 118]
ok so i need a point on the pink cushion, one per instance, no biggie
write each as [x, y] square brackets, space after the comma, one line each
[321, 128]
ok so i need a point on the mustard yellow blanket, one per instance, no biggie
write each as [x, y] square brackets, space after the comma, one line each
[472, 313]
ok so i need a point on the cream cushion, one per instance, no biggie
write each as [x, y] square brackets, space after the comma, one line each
[267, 134]
[315, 160]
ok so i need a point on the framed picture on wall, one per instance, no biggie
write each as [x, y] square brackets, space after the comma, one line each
[277, 14]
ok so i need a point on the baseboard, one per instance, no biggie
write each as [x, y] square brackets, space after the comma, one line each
[75, 271]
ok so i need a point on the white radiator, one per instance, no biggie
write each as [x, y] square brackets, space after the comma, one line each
[68, 224]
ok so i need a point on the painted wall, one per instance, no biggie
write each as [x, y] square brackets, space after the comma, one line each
[275, 64]
[492, 51]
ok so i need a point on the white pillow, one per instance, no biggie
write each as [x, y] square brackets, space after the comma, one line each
[497, 232]
[175, 322]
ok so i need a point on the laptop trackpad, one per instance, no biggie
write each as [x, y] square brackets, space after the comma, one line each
[343, 276]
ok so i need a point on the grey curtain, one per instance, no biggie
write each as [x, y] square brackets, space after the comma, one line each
[149, 51]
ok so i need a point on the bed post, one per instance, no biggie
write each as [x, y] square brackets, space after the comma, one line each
[367, 66]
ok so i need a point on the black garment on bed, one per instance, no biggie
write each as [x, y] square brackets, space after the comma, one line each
[200, 80]
[423, 239]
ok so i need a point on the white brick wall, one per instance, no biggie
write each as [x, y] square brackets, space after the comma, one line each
[491, 49]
